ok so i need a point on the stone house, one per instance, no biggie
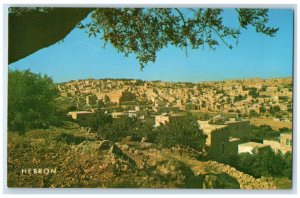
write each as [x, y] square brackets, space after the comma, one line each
[224, 141]
[284, 145]
[79, 114]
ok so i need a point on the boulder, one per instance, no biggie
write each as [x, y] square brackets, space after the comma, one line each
[88, 130]
[128, 138]
[145, 145]
[93, 146]
[70, 125]
[144, 139]
[117, 152]
[105, 144]
[133, 137]
[125, 147]
[131, 150]
[174, 170]
[213, 181]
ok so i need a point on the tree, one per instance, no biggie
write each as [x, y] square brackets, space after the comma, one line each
[106, 99]
[263, 132]
[127, 96]
[264, 88]
[182, 132]
[238, 98]
[262, 109]
[253, 92]
[253, 113]
[31, 100]
[147, 130]
[288, 169]
[265, 162]
[100, 119]
[117, 130]
[274, 109]
[141, 31]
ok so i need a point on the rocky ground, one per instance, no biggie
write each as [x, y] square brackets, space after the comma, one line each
[83, 161]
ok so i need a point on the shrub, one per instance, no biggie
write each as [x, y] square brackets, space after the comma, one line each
[70, 138]
[182, 132]
[264, 163]
[31, 100]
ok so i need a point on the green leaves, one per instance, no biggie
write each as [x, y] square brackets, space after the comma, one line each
[31, 100]
[145, 31]
[258, 18]
[183, 132]
[265, 163]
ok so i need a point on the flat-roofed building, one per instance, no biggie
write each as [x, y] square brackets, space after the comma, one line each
[249, 147]
[208, 128]
[77, 114]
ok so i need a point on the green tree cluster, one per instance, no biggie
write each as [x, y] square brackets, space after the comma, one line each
[253, 92]
[97, 120]
[274, 109]
[264, 162]
[127, 96]
[31, 100]
[183, 132]
[118, 129]
[260, 133]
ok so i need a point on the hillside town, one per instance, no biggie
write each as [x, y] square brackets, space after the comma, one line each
[245, 97]
[225, 109]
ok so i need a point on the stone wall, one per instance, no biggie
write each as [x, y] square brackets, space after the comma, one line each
[246, 181]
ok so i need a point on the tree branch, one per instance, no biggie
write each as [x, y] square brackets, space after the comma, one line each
[229, 46]
[184, 24]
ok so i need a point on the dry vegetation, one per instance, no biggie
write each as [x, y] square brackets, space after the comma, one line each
[81, 162]
[274, 124]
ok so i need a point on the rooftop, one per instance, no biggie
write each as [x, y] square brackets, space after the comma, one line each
[253, 144]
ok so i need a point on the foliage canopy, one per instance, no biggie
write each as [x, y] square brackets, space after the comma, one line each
[183, 132]
[31, 100]
[265, 163]
[140, 31]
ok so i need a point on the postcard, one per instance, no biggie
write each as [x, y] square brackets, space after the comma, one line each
[150, 98]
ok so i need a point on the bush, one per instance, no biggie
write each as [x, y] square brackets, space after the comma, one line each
[127, 97]
[260, 133]
[31, 100]
[263, 163]
[183, 131]
[118, 129]
[70, 138]
[146, 130]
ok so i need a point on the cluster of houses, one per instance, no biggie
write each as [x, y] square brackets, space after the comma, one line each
[161, 98]
[233, 138]
[241, 96]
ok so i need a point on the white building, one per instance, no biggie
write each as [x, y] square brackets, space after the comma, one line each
[248, 147]
[161, 119]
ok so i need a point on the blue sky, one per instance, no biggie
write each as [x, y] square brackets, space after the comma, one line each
[257, 55]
